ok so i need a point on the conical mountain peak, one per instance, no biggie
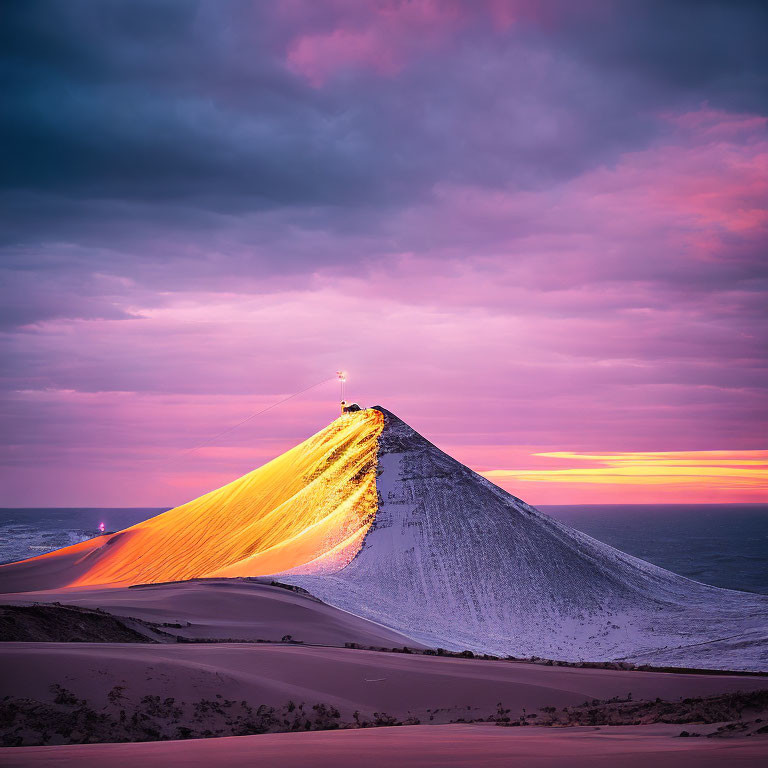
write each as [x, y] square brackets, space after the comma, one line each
[371, 517]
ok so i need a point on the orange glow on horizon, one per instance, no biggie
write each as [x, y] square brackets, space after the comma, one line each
[668, 471]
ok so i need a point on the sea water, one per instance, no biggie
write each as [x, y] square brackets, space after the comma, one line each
[725, 545]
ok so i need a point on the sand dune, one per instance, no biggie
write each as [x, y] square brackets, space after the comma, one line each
[400, 685]
[226, 609]
[465, 746]
[312, 504]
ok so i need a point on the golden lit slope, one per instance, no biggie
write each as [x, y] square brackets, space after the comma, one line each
[313, 504]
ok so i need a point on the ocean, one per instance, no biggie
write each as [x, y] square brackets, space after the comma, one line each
[725, 545]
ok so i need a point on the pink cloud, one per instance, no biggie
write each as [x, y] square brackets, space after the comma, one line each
[381, 37]
[652, 213]
[718, 124]
[609, 313]
[317, 57]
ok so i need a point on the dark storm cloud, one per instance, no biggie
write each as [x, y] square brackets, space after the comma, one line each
[98, 103]
[169, 141]
[679, 50]
[192, 101]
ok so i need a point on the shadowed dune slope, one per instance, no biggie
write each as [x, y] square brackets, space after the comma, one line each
[311, 505]
[219, 609]
[454, 561]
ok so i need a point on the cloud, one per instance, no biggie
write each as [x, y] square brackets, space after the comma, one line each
[712, 475]
[182, 112]
[730, 469]
[381, 40]
[555, 215]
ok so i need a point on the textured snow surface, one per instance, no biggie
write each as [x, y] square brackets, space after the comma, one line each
[453, 561]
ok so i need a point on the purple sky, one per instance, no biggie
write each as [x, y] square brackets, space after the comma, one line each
[522, 227]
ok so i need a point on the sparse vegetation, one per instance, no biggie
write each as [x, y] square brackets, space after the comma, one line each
[67, 719]
[724, 708]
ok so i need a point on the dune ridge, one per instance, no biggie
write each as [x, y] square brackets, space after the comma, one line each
[312, 504]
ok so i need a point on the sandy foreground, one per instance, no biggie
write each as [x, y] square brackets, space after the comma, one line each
[436, 691]
[273, 673]
[444, 745]
[352, 680]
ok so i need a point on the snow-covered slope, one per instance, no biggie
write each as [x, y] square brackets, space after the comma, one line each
[456, 562]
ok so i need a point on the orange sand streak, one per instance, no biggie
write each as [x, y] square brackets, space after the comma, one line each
[301, 507]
